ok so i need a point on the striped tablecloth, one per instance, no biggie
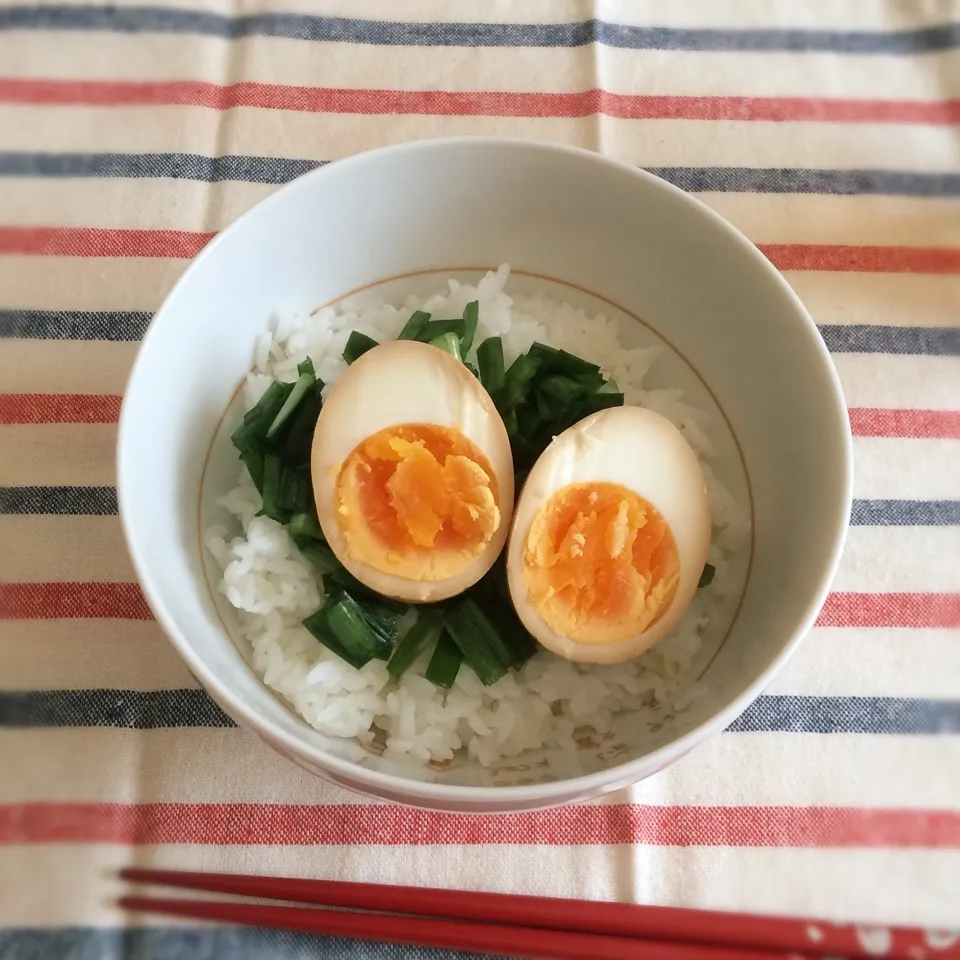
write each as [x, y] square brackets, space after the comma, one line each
[829, 131]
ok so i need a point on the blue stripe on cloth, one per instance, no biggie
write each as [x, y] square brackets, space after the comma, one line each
[131, 324]
[102, 501]
[175, 166]
[157, 709]
[200, 943]
[192, 166]
[801, 180]
[159, 19]
[886, 715]
[870, 338]
[129, 709]
[74, 324]
[73, 501]
[905, 513]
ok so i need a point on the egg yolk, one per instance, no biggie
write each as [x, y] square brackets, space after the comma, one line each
[417, 501]
[600, 563]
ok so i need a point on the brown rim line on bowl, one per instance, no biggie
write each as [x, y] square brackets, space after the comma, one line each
[445, 272]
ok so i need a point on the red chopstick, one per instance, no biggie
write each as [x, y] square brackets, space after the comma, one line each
[708, 929]
[529, 943]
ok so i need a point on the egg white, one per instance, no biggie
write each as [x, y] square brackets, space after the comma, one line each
[396, 383]
[645, 453]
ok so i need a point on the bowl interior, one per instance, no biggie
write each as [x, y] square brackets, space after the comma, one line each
[739, 343]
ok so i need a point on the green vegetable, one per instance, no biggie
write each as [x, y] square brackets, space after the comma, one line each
[419, 637]
[320, 556]
[592, 382]
[490, 361]
[305, 525]
[552, 360]
[250, 438]
[272, 477]
[445, 663]
[563, 390]
[437, 328]
[306, 367]
[528, 420]
[600, 401]
[341, 626]
[707, 575]
[357, 345]
[253, 461]
[510, 421]
[295, 494]
[319, 626]
[517, 379]
[522, 645]
[546, 407]
[448, 343]
[414, 326]
[262, 414]
[299, 439]
[483, 649]
[384, 623]
[472, 368]
[471, 317]
[300, 390]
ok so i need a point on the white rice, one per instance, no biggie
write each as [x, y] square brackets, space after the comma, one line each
[273, 588]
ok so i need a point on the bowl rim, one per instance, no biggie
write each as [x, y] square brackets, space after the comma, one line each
[494, 798]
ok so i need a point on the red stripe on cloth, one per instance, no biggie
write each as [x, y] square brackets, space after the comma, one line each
[52, 601]
[389, 825]
[473, 103]
[60, 601]
[59, 408]
[929, 424]
[105, 408]
[867, 259]
[891, 610]
[96, 242]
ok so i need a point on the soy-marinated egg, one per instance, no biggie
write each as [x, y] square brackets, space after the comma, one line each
[412, 473]
[610, 536]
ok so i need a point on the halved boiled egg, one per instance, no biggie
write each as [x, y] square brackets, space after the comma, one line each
[610, 535]
[412, 473]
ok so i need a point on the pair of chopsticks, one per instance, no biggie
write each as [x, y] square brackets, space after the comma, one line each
[527, 927]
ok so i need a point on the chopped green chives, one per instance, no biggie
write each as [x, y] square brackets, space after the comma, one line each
[445, 663]
[414, 326]
[415, 641]
[437, 328]
[448, 343]
[479, 641]
[471, 317]
[517, 379]
[357, 345]
[600, 401]
[490, 362]
[559, 361]
[305, 525]
[300, 389]
[272, 476]
[319, 555]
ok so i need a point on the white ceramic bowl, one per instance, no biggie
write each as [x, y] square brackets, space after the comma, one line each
[605, 235]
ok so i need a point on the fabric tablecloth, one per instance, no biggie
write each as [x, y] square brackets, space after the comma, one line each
[828, 131]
